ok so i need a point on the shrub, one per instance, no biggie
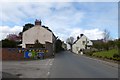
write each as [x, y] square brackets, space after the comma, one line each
[105, 57]
[88, 52]
[110, 58]
[9, 43]
[116, 55]
[118, 59]
[99, 56]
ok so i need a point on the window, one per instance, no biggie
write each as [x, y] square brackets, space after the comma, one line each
[77, 48]
[83, 42]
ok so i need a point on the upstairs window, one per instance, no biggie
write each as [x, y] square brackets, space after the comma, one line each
[83, 42]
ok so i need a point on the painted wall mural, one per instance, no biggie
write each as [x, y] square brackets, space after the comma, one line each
[32, 52]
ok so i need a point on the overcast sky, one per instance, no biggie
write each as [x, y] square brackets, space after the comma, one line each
[65, 19]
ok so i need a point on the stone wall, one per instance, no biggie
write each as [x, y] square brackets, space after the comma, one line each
[14, 54]
[11, 54]
[49, 47]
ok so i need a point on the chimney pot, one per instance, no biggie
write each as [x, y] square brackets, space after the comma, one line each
[78, 37]
[81, 35]
[37, 22]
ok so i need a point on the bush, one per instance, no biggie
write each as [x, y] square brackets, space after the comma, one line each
[118, 59]
[9, 43]
[110, 58]
[89, 53]
[105, 57]
[100, 56]
[116, 55]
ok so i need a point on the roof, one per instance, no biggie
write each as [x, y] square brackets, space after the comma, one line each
[43, 27]
[79, 39]
[47, 28]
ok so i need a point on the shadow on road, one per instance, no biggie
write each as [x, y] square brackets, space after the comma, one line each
[9, 75]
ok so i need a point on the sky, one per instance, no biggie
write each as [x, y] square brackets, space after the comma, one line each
[65, 19]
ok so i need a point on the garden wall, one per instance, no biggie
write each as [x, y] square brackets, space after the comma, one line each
[11, 54]
[18, 53]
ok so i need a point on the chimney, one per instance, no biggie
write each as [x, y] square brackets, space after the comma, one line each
[38, 22]
[78, 37]
[81, 35]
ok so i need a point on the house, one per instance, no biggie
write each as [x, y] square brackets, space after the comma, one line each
[64, 45]
[41, 34]
[81, 44]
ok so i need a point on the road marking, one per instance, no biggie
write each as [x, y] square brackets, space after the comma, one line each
[20, 76]
[51, 62]
[48, 62]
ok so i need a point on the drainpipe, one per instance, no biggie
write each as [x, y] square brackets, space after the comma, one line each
[86, 44]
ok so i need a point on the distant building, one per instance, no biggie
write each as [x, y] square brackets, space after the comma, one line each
[64, 45]
[81, 44]
[41, 33]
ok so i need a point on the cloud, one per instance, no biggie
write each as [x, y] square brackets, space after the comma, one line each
[5, 30]
[92, 34]
[59, 0]
[64, 19]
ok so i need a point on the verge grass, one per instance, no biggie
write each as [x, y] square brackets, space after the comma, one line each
[107, 54]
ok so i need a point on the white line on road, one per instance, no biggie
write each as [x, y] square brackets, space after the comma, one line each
[48, 62]
[51, 62]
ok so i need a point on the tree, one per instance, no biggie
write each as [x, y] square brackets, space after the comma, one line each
[106, 35]
[117, 42]
[9, 43]
[106, 38]
[27, 26]
[13, 37]
[111, 44]
[58, 46]
[98, 45]
[70, 42]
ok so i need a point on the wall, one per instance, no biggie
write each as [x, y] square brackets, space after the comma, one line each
[36, 33]
[49, 47]
[11, 54]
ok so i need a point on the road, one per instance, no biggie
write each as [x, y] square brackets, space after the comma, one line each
[69, 65]
[64, 65]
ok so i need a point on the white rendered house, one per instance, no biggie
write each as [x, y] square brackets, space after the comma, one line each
[81, 44]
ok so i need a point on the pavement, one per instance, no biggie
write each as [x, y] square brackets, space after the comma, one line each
[26, 69]
[64, 65]
[69, 65]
